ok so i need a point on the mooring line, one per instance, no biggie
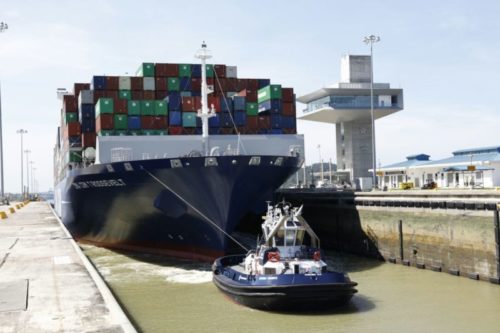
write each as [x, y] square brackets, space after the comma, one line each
[195, 209]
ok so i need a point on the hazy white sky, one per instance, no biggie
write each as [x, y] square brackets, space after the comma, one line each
[444, 54]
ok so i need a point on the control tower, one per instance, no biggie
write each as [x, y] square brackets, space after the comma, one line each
[347, 105]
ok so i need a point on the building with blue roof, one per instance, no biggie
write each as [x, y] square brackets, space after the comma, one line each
[467, 168]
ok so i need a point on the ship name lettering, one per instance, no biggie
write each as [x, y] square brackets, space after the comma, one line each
[99, 183]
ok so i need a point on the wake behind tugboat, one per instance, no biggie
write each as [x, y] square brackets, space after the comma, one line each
[282, 273]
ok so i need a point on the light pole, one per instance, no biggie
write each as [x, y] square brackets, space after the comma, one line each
[22, 131]
[27, 152]
[32, 177]
[370, 40]
[3, 27]
[34, 180]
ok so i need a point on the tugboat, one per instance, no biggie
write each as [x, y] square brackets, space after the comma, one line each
[283, 273]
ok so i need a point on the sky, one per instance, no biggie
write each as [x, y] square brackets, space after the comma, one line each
[444, 54]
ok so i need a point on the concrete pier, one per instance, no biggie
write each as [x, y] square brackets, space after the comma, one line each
[46, 283]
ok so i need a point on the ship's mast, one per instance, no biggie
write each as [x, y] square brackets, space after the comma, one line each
[205, 112]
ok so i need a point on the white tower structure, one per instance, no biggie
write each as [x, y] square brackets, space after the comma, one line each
[347, 105]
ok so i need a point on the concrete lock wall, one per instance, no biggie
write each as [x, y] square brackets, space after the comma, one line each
[462, 241]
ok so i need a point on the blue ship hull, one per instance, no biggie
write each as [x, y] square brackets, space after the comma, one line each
[183, 207]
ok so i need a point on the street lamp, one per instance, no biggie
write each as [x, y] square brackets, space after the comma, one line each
[22, 131]
[370, 40]
[3, 27]
[27, 152]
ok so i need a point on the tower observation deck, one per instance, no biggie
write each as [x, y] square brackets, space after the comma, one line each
[347, 104]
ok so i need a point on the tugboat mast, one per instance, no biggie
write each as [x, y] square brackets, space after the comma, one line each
[205, 112]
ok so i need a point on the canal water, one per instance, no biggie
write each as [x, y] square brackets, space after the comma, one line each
[168, 295]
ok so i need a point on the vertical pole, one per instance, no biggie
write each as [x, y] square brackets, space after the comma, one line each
[400, 227]
[1, 146]
[375, 185]
[496, 221]
[22, 171]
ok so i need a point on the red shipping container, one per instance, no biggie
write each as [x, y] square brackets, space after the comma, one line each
[136, 95]
[121, 106]
[188, 131]
[172, 70]
[70, 103]
[231, 85]
[242, 84]
[98, 94]
[88, 140]
[220, 86]
[160, 83]
[227, 131]
[188, 104]
[220, 71]
[72, 129]
[253, 84]
[161, 94]
[148, 94]
[147, 122]
[215, 101]
[161, 70]
[77, 87]
[250, 95]
[160, 122]
[104, 121]
[252, 122]
[287, 94]
[136, 83]
[288, 109]
[111, 94]
[210, 81]
[195, 84]
[112, 82]
[264, 122]
[175, 130]
[197, 103]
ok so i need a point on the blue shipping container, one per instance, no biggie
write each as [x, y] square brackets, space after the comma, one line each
[272, 105]
[264, 83]
[196, 70]
[75, 141]
[175, 118]
[88, 125]
[276, 131]
[214, 121]
[186, 94]
[287, 122]
[239, 103]
[226, 104]
[275, 121]
[134, 122]
[240, 118]
[86, 111]
[196, 93]
[226, 120]
[213, 130]
[174, 101]
[98, 83]
[185, 84]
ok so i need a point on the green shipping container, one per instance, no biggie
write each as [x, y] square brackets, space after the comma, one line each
[147, 108]
[75, 156]
[252, 109]
[272, 91]
[125, 94]
[209, 70]
[148, 132]
[173, 83]
[161, 108]
[135, 132]
[134, 108]
[184, 70]
[189, 119]
[106, 133]
[146, 69]
[70, 117]
[121, 122]
[161, 132]
[121, 132]
[104, 105]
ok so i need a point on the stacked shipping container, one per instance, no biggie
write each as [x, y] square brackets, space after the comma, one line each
[163, 99]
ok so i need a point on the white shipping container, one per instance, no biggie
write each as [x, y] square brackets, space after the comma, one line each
[231, 71]
[86, 97]
[148, 83]
[124, 83]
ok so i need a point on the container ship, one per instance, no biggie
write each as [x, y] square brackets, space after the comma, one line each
[169, 161]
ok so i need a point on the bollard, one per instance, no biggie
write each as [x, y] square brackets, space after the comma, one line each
[401, 255]
[3, 215]
[12, 210]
